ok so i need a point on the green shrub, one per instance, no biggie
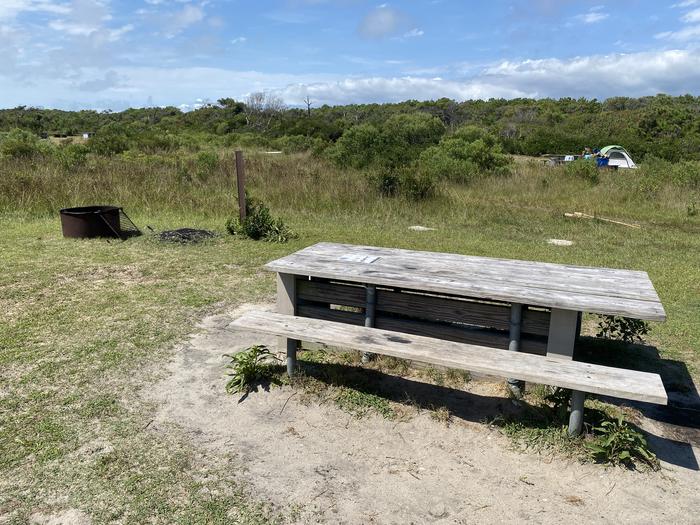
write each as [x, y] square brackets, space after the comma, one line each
[206, 163]
[585, 169]
[408, 181]
[465, 155]
[622, 328]
[249, 368]
[618, 444]
[470, 133]
[359, 147]
[417, 185]
[21, 144]
[152, 142]
[396, 142]
[387, 182]
[246, 140]
[71, 155]
[405, 136]
[448, 161]
[259, 224]
[110, 140]
[297, 143]
[656, 172]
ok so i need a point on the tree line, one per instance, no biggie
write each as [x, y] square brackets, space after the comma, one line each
[659, 126]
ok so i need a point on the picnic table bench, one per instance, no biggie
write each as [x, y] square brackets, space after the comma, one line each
[507, 318]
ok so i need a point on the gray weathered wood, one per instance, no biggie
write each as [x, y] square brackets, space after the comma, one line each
[586, 377]
[563, 328]
[449, 332]
[287, 304]
[598, 290]
[413, 304]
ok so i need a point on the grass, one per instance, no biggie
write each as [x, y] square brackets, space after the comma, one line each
[86, 325]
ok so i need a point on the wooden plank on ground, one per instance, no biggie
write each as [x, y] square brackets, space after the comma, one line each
[575, 375]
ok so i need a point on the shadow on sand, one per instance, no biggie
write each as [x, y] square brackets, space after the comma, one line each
[678, 425]
[679, 421]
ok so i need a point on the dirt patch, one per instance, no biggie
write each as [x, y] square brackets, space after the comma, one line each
[323, 465]
[66, 517]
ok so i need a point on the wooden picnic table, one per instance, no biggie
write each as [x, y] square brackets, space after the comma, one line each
[522, 306]
[560, 286]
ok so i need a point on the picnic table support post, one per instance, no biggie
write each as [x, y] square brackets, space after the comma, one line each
[286, 304]
[370, 315]
[576, 417]
[564, 326]
[516, 386]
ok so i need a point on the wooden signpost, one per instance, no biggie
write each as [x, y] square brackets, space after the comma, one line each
[240, 181]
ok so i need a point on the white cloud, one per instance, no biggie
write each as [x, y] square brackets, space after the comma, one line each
[379, 89]
[414, 33]
[78, 29]
[381, 22]
[636, 74]
[673, 72]
[595, 14]
[685, 34]
[95, 72]
[691, 17]
[592, 18]
[239, 40]
[9, 9]
[181, 20]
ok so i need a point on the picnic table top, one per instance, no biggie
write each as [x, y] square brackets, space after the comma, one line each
[581, 288]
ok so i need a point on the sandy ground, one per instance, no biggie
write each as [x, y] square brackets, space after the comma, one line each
[321, 465]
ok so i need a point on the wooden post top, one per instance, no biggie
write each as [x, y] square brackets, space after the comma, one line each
[597, 290]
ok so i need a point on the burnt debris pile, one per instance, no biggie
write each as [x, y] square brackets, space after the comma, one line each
[185, 235]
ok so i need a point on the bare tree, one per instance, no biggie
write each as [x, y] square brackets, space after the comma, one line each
[307, 101]
[261, 109]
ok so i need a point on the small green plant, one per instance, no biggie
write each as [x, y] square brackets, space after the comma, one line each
[622, 328]
[618, 444]
[441, 414]
[249, 368]
[259, 224]
[692, 210]
[359, 403]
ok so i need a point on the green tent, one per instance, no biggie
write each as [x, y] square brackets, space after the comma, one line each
[618, 156]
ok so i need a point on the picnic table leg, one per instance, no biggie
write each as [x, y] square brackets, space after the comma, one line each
[576, 416]
[516, 386]
[370, 315]
[286, 304]
[563, 330]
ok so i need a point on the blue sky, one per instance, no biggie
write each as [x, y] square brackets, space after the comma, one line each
[119, 53]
